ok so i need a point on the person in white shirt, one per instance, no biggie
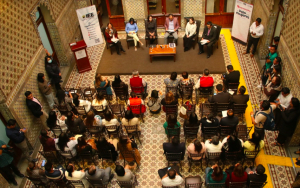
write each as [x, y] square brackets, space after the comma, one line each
[108, 120]
[213, 144]
[72, 174]
[170, 176]
[100, 101]
[64, 143]
[79, 102]
[256, 31]
[190, 33]
[284, 97]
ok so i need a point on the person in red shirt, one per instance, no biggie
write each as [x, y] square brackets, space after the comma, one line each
[205, 80]
[238, 174]
[111, 36]
[136, 81]
[134, 101]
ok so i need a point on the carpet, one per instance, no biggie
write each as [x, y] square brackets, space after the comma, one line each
[188, 61]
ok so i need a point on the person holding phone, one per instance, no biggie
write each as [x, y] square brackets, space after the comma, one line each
[45, 88]
[35, 171]
[170, 176]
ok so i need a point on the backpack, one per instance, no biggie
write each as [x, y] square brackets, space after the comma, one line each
[269, 123]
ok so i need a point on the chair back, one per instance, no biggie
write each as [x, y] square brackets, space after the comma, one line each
[227, 130]
[49, 156]
[99, 110]
[66, 154]
[126, 184]
[207, 108]
[74, 91]
[128, 154]
[233, 87]
[222, 106]
[218, 28]
[189, 108]
[215, 185]
[191, 132]
[193, 182]
[190, 158]
[60, 182]
[135, 21]
[257, 184]
[105, 154]
[242, 132]
[88, 93]
[63, 109]
[251, 154]
[238, 184]
[96, 183]
[136, 109]
[171, 109]
[170, 186]
[131, 128]
[173, 156]
[56, 130]
[206, 90]
[138, 90]
[81, 110]
[121, 93]
[213, 156]
[187, 91]
[173, 132]
[234, 156]
[198, 23]
[77, 183]
[209, 131]
[112, 129]
[117, 109]
[85, 155]
[239, 108]
[37, 182]
[172, 89]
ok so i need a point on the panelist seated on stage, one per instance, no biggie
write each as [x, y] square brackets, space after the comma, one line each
[205, 80]
[136, 81]
[240, 98]
[190, 33]
[131, 30]
[171, 26]
[220, 97]
[151, 29]
[232, 76]
[210, 34]
[111, 35]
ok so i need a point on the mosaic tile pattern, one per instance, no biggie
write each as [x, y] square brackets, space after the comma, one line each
[269, 4]
[282, 176]
[57, 6]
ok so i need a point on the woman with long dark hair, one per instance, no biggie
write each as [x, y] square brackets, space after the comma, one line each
[72, 174]
[35, 171]
[192, 121]
[52, 69]
[45, 88]
[64, 143]
[130, 120]
[196, 147]
[79, 102]
[231, 144]
[104, 145]
[109, 120]
[154, 102]
[131, 30]
[119, 83]
[255, 143]
[54, 120]
[64, 99]
[100, 101]
[190, 33]
[171, 123]
[75, 124]
[169, 99]
[111, 36]
[47, 142]
[151, 29]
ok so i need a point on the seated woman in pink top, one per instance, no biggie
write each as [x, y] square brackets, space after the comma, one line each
[196, 147]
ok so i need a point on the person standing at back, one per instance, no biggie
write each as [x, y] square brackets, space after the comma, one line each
[256, 31]
[171, 27]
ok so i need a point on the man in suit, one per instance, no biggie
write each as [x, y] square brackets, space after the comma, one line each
[210, 34]
[220, 96]
[232, 76]
[95, 173]
[175, 146]
[256, 174]
[36, 108]
[171, 27]
[230, 120]
[240, 98]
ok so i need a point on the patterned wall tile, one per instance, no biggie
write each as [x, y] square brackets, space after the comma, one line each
[57, 6]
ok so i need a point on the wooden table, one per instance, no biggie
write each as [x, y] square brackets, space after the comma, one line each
[164, 51]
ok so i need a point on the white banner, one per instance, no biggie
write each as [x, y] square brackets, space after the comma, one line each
[241, 20]
[89, 25]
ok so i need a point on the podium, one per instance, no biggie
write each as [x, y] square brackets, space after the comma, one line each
[82, 59]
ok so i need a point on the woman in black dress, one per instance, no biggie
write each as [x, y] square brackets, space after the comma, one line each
[151, 29]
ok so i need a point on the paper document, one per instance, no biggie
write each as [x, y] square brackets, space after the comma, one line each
[224, 113]
[230, 92]
[204, 41]
[170, 31]
[114, 40]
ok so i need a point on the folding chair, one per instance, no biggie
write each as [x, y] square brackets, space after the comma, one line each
[174, 157]
[193, 182]
[213, 156]
[257, 184]
[191, 160]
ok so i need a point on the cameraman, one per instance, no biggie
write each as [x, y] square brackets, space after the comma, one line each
[232, 77]
[269, 62]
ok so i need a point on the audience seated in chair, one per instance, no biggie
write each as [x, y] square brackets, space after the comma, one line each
[215, 174]
[35, 171]
[185, 80]
[170, 176]
[93, 120]
[64, 143]
[236, 173]
[209, 121]
[231, 77]
[55, 119]
[136, 81]
[128, 145]
[119, 83]
[95, 173]
[124, 174]
[134, 100]
[220, 97]
[172, 81]
[256, 174]
[273, 89]
[75, 124]
[109, 120]
[100, 101]
[196, 147]
[131, 30]
[111, 36]
[174, 146]
[72, 174]
[54, 173]
[171, 123]
[192, 121]
[47, 142]
[255, 143]
[64, 99]
[84, 146]
[213, 144]
[169, 100]
[154, 102]
[240, 98]
[231, 144]
[151, 31]
[190, 33]
[210, 34]
[104, 145]
[205, 80]
[101, 83]
[80, 102]
[171, 28]
[130, 120]
[230, 120]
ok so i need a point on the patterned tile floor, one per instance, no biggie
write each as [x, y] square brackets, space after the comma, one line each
[153, 133]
